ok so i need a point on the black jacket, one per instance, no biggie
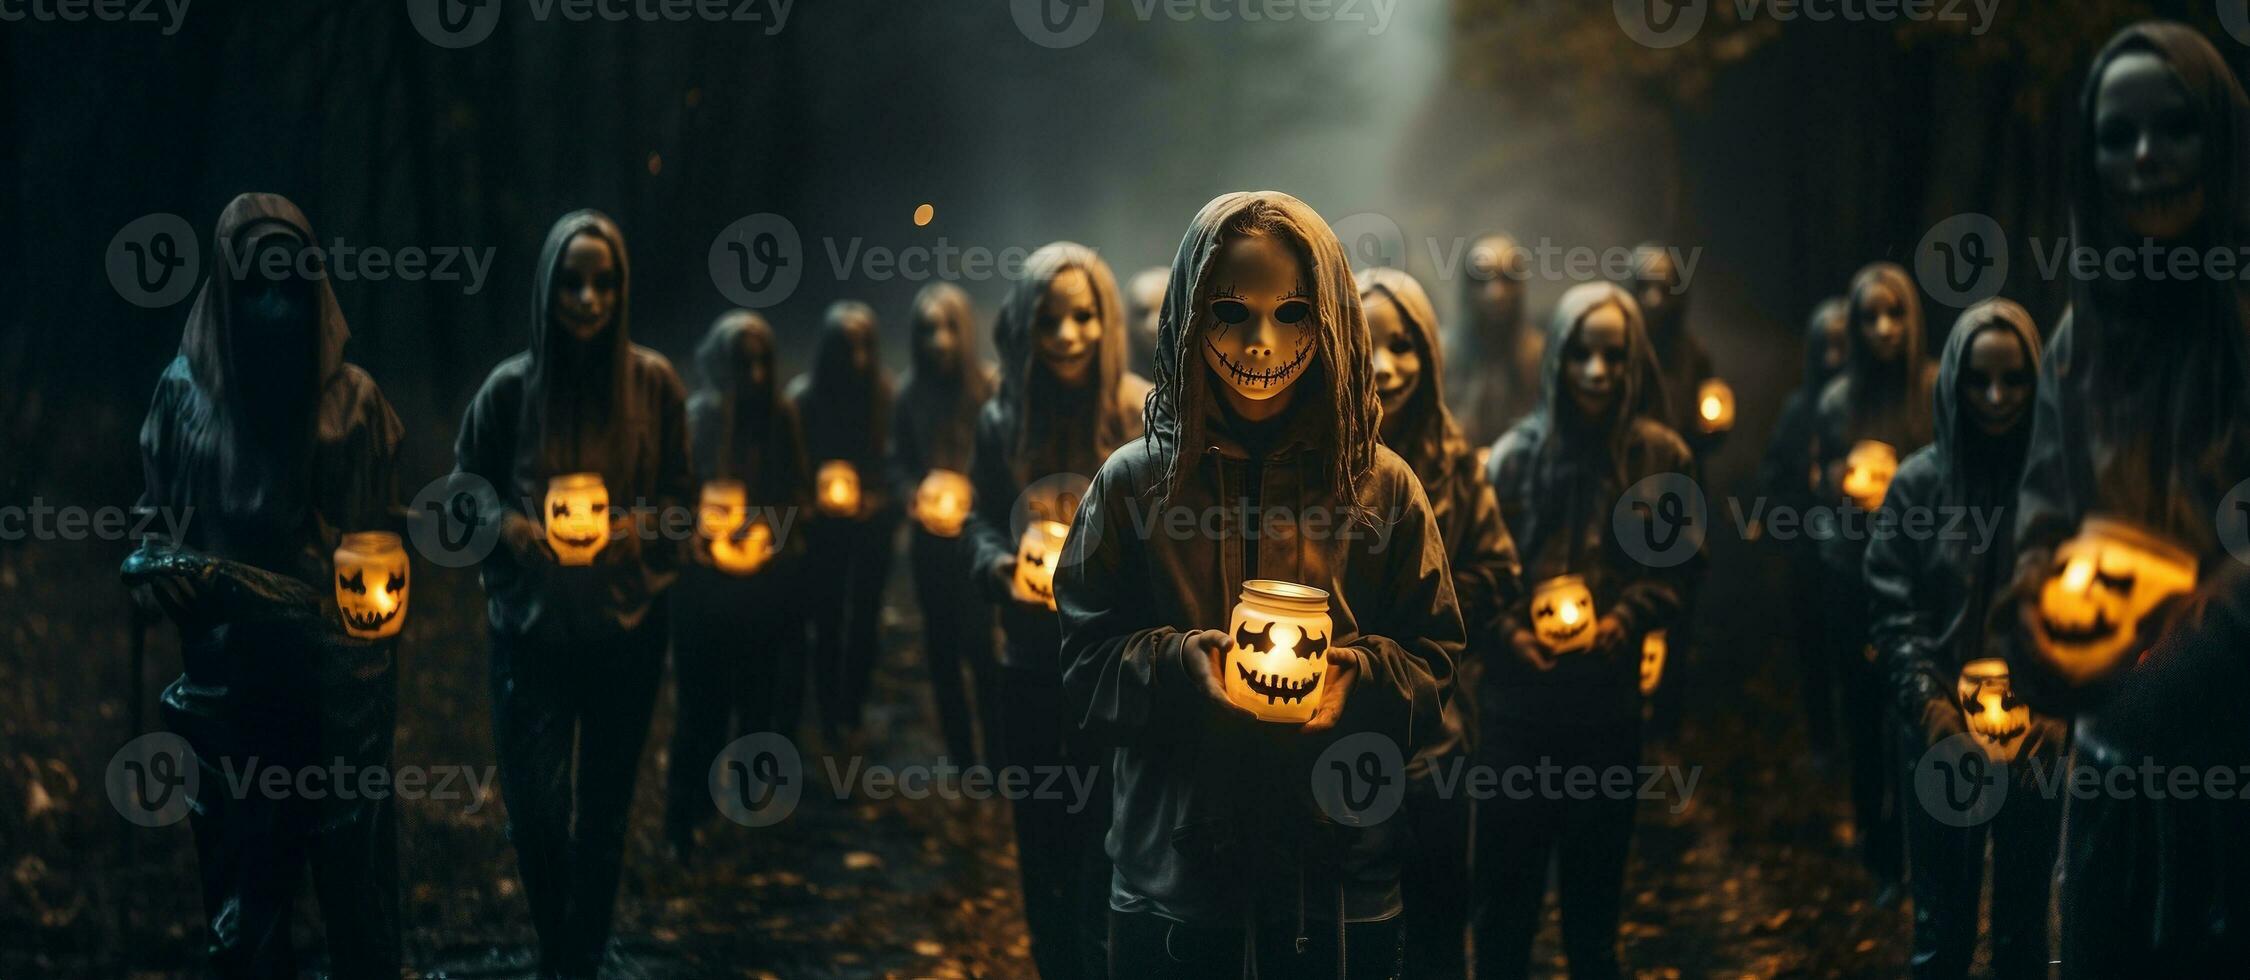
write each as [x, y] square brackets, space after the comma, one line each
[1558, 482]
[1213, 813]
[622, 414]
[1871, 400]
[1929, 594]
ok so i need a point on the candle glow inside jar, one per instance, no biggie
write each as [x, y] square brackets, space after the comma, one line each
[837, 485]
[941, 503]
[577, 517]
[1562, 614]
[1037, 553]
[1714, 406]
[1277, 660]
[371, 584]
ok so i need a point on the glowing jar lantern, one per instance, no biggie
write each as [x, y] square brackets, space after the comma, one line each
[1714, 406]
[2102, 584]
[836, 485]
[371, 584]
[1278, 660]
[737, 545]
[1997, 722]
[941, 503]
[1868, 469]
[1652, 661]
[1562, 614]
[577, 517]
[1037, 553]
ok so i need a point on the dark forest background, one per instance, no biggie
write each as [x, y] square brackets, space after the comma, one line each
[1790, 153]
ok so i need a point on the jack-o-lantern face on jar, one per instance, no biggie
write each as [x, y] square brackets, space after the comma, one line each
[1278, 660]
[2102, 584]
[1652, 661]
[1036, 556]
[577, 517]
[1868, 469]
[371, 584]
[1562, 614]
[837, 485]
[941, 503]
[1996, 719]
[737, 544]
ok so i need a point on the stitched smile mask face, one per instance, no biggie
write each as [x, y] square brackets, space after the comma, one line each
[1260, 329]
[2148, 148]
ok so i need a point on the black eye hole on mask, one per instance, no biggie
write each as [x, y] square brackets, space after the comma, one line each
[1232, 312]
[1401, 345]
[2114, 583]
[1294, 311]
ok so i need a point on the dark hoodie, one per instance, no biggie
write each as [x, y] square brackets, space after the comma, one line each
[614, 408]
[1034, 429]
[741, 429]
[1929, 592]
[1681, 359]
[1558, 477]
[1786, 473]
[277, 497]
[845, 407]
[1487, 578]
[1214, 818]
[1887, 402]
[934, 425]
[2146, 416]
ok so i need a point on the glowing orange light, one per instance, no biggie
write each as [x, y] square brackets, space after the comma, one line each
[924, 215]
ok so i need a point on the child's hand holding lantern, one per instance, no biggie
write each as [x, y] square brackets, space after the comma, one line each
[1343, 669]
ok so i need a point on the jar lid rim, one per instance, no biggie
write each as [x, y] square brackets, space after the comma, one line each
[1271, 588]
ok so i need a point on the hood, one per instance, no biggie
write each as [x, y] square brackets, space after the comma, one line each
[1023, 381]
[2123, 357]
[1341, 385]
[1640, 391]
[845, 407]
[737, 341]
[1430, 438]
[945, 304]
[208, 342]
[1478, 337]
[1831, 310]
[1994, 313]
[1653, 260]
[547, 338]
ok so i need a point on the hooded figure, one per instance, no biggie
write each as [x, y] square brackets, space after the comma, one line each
[1930, 595]
[577, 651]
[844, 403]
[274, 447]
[737, 640]
[1221, 853]
[1496, 356]
[2143, 416]
[1065, 403]
[1409, 365]
[1144, 301]
[1559, 475]
[1882, 396]
[1786, 476]
[935, 429]
[1660, 288]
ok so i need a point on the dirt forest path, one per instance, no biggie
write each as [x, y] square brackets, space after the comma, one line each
[1750, 878]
